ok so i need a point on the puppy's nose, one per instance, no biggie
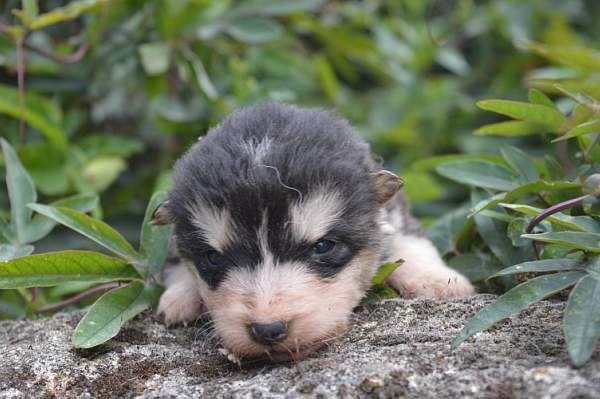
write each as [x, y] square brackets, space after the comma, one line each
[268, 333]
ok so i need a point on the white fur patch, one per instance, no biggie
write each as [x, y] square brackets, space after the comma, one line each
[216, 225]
[312, 217]
[423, 273]
[258, 150]
[181, 302]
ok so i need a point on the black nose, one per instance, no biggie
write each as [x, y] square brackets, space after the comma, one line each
[268, 333]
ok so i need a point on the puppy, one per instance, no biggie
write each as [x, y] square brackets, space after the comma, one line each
[281, 220]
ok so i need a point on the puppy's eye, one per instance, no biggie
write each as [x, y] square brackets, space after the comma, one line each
[323, 246]
[215, 259]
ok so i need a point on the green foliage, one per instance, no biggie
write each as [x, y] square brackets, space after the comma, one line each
[529, 201]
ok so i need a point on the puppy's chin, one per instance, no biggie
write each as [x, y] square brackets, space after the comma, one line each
[315, 310]
[286, 351]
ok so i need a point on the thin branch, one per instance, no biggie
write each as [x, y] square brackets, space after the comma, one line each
[21, 87]
[99, 289]
[61, 59]
[561, 206]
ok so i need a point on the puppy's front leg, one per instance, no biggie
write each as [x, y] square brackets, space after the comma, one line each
[181, 301]
[423, 273]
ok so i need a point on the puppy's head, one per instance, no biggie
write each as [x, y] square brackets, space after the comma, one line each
[278, 210]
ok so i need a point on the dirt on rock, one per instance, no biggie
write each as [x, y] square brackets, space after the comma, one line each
[395, 349]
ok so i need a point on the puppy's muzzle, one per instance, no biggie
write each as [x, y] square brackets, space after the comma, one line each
[268, 333]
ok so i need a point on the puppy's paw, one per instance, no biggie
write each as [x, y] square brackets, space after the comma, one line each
[180, 305]
[435, 284]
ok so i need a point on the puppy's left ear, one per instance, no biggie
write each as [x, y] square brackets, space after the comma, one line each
[386, 185]
[162, 215]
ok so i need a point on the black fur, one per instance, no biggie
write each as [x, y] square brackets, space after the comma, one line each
[309, 148]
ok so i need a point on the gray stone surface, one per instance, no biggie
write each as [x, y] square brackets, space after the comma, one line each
[399, 348]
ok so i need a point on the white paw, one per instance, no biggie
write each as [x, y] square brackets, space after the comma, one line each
[437, 284]
[180, 304]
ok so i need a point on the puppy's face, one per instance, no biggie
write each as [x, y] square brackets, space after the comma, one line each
[285, 284]
[282, 247]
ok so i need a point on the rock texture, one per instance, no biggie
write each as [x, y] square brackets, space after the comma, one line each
[398, 348]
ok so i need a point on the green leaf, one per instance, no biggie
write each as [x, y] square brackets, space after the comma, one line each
[274, 8]
[511, 128]
[59, 14]
[582, 320]
[111, 311]
[10, 251]
[493, 233]
[21, 191]
[541, 266]
[40, 226]
[432, 162]
[516, 227]
[572, 239]
[444, 230]
[93, 229]
[521, 163]
[155, 57]
[515, 300]
[101, 145]
[452, 60]
[103, 171]
[7, 233]
[581, 129]
[48, 269]
[40, 112]
[527, 112]
[475, 267]
[575, 55]
[578, 223]
[520, 191]
[478, 173]
[254, 30]
[537, 97]
[154, 240]
[202, 78]
[385, 271]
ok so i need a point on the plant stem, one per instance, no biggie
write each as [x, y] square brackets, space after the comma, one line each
[21, 88]
[549, 212]
[99, 289]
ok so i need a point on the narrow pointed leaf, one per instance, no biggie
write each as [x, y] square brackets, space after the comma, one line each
[44, 270]
[537, 97]
[573, 239]
[67, 12]
[541, 266]
[93, 229]
[40, 225]
[21, 191]
[582, 320]
[527, 112]
[478, 173]
[515, 300]
[154, 240]
[111, 311]
[40, 113]
[254, 30]
[385, 271]
[588, 127]
[521, 163]
[578, 223]
[511, 128]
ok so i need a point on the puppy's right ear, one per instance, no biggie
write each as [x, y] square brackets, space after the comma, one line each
[162, 215]
[386, 185]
